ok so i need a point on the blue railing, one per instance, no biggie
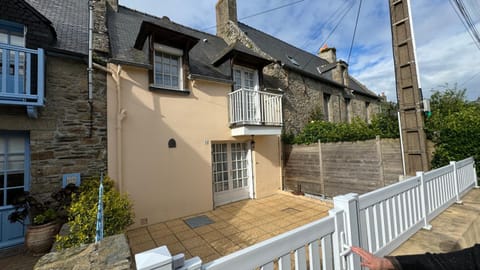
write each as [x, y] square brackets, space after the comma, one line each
[22, 75]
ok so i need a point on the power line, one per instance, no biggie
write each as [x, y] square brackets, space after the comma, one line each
[260, 13]
[331, 32]
[354, 30]
[464, 15]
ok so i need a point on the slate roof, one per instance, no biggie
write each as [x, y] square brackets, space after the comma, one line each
[70, 21]
[295, 58]
[124, 27]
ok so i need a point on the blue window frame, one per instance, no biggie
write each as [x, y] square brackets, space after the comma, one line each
[14, 166]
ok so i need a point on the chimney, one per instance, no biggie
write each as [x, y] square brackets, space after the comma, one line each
[226, 11]
[329, 54]
[113, 4]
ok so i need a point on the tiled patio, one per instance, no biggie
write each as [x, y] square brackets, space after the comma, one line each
[236, 225]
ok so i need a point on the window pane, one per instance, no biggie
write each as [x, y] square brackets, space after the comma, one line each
[12, 194]
[15, 162]
[3, 38]
[15, 180]
[237, 78]
[16, 145]
[2, 183]
[175, 81]
[17, 40]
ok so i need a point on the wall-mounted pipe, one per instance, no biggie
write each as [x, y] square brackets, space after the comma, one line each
[89, 68]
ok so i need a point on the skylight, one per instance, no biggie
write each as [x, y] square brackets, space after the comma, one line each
[293, 60]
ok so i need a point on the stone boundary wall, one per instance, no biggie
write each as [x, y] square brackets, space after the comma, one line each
[331, 169]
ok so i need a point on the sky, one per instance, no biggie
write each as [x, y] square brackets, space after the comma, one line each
[446, 54]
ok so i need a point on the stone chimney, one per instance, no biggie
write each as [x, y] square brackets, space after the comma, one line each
[328, 54]
[113, 4]
[340, 72]
[226, 11]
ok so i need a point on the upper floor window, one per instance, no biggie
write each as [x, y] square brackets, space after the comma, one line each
[168, 67]
[367, 112]
[326, 106]
[12, 33]
[245, 78]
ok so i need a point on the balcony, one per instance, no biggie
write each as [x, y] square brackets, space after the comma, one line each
[22, 76]
[255, 113]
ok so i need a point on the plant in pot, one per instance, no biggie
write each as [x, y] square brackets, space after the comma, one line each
[43, 218]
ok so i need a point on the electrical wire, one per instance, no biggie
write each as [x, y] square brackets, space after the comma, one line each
[464, 16]
[354, 30]
[331, 32]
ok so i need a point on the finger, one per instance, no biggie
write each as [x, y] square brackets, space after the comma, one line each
[364, 254]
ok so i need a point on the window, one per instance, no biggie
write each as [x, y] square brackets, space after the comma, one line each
[13, 164]
[347, 110]
[367, 112]
[326, 104]
[168, 67]
[245, 78]
[12, 34]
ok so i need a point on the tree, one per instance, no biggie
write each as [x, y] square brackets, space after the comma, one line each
[454, 127]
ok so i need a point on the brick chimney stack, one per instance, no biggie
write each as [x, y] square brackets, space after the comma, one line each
[340, 72]
[226, 11]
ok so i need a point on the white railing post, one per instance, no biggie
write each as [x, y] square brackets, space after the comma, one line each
[337, 238]
[424, 201]
[351, 235]
[457, 184]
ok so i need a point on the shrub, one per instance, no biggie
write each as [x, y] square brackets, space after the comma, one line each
[82, 214]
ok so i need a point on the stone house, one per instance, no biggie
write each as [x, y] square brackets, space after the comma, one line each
[311, 85]
[50, 130]
[189, 127]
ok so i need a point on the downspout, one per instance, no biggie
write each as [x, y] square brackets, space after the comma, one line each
[120, 115]
[90, 63]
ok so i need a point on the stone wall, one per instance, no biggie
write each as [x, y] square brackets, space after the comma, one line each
[338, 168]
[303, 95]
[111, 253]
[67, 136]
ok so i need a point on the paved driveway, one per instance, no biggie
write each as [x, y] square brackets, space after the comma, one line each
[235, 226]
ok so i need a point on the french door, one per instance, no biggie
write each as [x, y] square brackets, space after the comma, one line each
[14, 175]
[231, 172]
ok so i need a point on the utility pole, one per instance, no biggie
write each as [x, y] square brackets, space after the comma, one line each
[409, 92]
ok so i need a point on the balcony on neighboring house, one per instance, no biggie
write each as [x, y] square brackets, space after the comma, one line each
[253, 112]
[22, 76]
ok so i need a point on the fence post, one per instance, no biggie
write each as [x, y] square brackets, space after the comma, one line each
[424, 201]
[457, 184]
[320, 164]
[337, 240]
[349, 204]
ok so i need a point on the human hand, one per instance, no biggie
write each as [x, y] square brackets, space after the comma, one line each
[371, 261]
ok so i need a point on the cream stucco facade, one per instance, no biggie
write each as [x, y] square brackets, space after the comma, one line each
[166, 183]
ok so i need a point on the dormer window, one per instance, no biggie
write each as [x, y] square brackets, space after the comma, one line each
[168, 67]
[245, 78]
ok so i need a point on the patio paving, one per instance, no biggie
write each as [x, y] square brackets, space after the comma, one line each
[236, 226]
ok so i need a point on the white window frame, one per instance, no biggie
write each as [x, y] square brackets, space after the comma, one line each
[243, 69]
[170, 51]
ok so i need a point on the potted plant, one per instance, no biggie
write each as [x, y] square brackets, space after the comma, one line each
[43, 219]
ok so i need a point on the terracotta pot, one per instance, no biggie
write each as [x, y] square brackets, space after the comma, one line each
[39, 238]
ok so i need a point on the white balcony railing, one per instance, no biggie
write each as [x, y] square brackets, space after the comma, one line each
[257, 108]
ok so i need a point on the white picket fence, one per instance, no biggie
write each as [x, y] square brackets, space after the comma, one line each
[378, 221]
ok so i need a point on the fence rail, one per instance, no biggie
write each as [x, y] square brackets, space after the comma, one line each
[377, 221]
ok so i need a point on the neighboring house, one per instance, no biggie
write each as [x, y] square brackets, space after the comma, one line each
[47, 127]
[312, 85]
[189, 125]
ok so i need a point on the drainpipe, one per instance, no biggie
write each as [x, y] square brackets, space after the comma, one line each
[120, 115]
[90, 61]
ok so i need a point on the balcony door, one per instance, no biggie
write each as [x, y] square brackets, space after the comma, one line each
[231, 172]
[14, 175]
[12, 64]
[247, 79]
